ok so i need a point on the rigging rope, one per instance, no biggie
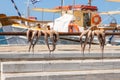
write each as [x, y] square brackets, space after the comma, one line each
[16, 8]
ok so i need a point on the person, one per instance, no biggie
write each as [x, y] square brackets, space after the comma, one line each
[72, 26]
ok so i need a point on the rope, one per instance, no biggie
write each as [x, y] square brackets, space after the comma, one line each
[16, 8]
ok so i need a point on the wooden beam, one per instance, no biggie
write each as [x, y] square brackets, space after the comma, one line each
[13, 33]
[60, 33]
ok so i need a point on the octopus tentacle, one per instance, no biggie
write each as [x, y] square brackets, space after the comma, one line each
[100, 39]
[38, 35]
[54, 36]
[90, 38]
[34, 35]
[46, 39]
[52, 39]
[29, 35]
[82, 34]
[86, 39]
[103, 41]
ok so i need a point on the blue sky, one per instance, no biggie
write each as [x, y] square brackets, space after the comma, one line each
[7, 7]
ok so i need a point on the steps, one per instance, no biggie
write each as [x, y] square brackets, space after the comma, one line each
[72, 75]
[55, 56]
[59, 65]
[63, 64]
[106, 69]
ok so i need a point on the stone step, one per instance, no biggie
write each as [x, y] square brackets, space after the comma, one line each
[58, 65]
[113, 74]
[6, 56]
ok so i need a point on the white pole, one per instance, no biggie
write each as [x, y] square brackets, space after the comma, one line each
[62, 3]
[28, 8]
[89, 2]
[73, 6]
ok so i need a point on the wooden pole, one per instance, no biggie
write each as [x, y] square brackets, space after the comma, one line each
[60, 33]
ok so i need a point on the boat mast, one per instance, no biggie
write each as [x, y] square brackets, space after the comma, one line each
[73, 6]
[62, 2]
[28, 8]
[89, 2]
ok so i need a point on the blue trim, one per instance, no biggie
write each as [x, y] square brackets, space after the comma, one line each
[110, 39]
[2, 38]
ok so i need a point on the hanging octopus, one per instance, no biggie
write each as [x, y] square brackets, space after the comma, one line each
[54, 36]
[34, 35]
[89, 35]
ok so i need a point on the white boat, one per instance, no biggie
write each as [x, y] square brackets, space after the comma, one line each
[78, 13]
